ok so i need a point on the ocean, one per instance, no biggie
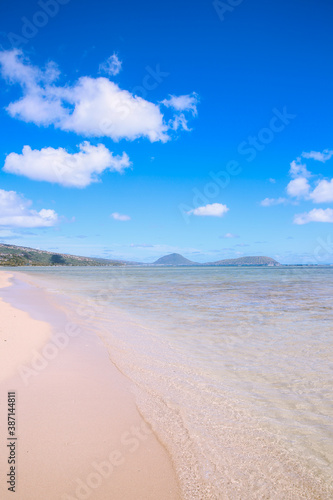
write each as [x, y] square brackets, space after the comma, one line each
[232, 367]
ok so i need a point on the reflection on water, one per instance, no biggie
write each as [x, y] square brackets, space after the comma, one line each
[234, 366]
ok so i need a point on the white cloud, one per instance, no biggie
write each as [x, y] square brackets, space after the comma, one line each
[183, 102]
[316, 155]
[95, 107]
[268, 202]
[69, 170]
[117, 216]
[17, 69]
[323, 192]
[298, 169]
[179, 122]
[213, 210]
[230, 235]
[304, 186]
[35, 83]
[7, 234]
[298, 187]
[141, 245]
[315, 215]
[111, 66]
[101, 108]
[15, 211]
[272, 181]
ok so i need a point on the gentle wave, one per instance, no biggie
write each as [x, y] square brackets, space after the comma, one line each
[232, 367]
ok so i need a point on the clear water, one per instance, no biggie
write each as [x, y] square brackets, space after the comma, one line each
[232, 366]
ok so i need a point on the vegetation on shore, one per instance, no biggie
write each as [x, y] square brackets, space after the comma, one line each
[175, 259]
[12, 255]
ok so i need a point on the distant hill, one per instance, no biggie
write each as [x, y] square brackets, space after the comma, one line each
[12, 255]
[174, 259]
[246, 261]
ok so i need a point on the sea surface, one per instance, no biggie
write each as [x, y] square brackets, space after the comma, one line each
[232, 367]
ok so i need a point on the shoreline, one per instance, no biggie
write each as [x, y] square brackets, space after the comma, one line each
[79, 432]
[218, 445]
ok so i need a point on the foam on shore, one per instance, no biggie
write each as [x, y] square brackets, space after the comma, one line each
[79, 433]
[224, 444]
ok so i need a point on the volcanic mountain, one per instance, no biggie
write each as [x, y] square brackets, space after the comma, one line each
[174, 259]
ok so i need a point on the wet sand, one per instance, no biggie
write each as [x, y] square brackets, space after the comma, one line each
[79, 432]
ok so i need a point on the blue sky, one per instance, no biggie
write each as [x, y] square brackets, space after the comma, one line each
[131, 130]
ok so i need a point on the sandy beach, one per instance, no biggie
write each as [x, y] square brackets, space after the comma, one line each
[79, 433]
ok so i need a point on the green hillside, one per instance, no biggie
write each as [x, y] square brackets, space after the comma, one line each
[173, 259]
[246, 261]
[12, 255]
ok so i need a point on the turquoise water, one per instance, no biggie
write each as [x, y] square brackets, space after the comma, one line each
[232, 366]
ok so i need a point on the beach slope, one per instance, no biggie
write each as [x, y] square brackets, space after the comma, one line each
[78, 432]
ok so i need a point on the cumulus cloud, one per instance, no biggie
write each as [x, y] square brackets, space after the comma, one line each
[101, 108]
[16, 211]
[121, 217]
[268, 202]
[315, 215]
[319, 156]
[299, 187]
[298, 169]
[323, 192]
[17, 69]
[183, 102]
[180, 122]
[70, 170]
[111, 66]
[213, 210]
[37, 103]
[307, 186]
[95, 107]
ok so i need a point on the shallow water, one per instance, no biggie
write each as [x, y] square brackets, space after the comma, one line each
[232, 366]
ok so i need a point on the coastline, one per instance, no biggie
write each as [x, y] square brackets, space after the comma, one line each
[79, 432]
[220, 447]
